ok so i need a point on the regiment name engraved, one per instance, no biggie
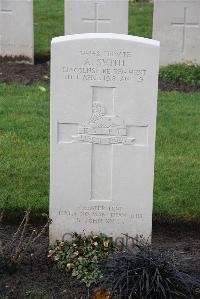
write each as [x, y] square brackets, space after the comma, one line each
[103, 129]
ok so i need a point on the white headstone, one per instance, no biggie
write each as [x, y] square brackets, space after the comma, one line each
[16, 29]
[103, 126]
[96, 16]
[176, 24]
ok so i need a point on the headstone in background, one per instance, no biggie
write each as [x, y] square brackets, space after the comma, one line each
[16, 30]
[176, 24]
[96, 16]
[103, 126]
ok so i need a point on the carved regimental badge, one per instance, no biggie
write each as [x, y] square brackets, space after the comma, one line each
[103, 129]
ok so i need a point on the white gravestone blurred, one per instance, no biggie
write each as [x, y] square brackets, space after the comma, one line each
[176, 24]
[96, 16]
[103, 125]
[16, 30]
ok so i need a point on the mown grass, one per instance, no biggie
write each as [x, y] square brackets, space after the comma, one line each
[177, 171]
[140, 19]
[24, 135]
[49, 22]
[24, 147]
[24, 151]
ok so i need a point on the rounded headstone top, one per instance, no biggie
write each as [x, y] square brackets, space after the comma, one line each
[110, 36]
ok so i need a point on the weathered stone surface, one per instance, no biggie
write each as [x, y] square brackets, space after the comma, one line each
[103, 125]
[96, 16]
[176, 24]
[16, 29]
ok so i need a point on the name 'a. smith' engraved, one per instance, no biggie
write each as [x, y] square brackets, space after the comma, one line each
[103, 129]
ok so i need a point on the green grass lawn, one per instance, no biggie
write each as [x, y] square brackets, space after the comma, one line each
[24, 131]
[140, 19]
[49, 22]
[177, 169]
[24, 147]
[24, 151]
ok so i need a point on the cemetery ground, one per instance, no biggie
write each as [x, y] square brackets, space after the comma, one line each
[25, 151]
[37, 278]
[24, 181]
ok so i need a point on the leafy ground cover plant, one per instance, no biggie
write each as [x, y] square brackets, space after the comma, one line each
[144, 273]
[82, 255]
[186, 73]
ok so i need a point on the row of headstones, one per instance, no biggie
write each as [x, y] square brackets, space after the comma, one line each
[175, 25]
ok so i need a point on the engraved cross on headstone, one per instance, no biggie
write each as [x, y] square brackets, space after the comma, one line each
[3, 29]
[104, 131]
[96, 20]
[184, 26]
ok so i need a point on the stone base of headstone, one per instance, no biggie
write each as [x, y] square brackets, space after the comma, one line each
[16, 31]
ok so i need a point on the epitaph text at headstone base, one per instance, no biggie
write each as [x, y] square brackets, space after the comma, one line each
[103, 121]
[176, 24]
[93, 16]
[16, 30]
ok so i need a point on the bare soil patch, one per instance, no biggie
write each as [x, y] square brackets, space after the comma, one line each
[23, 73]
[11, 72]
[170, 86]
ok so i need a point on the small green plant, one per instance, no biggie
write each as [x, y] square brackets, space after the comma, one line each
[186, 73]
[146, 273]
[82, 256]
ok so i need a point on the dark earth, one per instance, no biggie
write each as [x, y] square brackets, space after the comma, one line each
[36, 277]
[23, 73]
[11, 72]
